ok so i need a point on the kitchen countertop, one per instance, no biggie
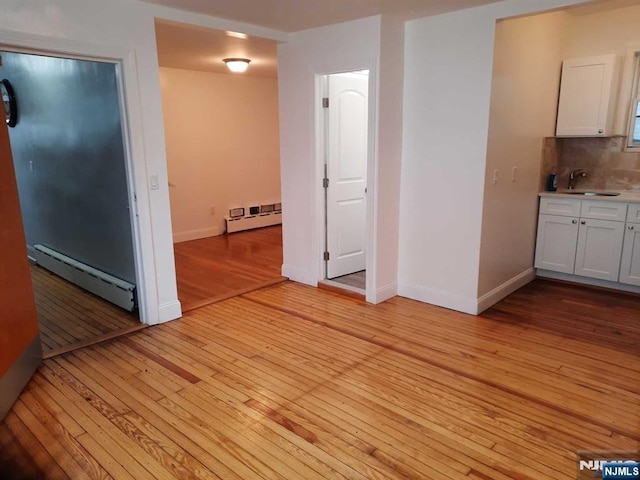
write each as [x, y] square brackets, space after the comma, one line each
[625, 196]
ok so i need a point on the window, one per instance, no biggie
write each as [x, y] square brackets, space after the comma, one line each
[635, 131]
[634, 120]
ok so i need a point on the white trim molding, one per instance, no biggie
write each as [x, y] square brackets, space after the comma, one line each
[188, 235]
[169, 311]
[439, 298]
[507, 288]
[300, 275]
[383, 293]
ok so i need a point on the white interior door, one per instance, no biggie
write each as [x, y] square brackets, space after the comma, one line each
[347, 172]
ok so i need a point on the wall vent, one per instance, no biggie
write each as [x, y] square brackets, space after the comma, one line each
[253, 221]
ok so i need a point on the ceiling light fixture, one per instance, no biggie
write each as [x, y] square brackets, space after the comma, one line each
[243, 36]
[237, 65]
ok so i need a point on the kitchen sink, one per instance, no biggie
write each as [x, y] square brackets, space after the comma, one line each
[592, 193]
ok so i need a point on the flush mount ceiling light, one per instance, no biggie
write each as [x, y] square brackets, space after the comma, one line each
[237, 65]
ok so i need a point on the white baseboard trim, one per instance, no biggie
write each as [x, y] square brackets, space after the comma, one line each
[169, 311]
[507, 288]
[196, 234]
[383, 293]
[300, 275]
[439, 298]
[588, 281]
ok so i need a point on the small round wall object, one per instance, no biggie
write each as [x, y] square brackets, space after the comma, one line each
[9, 102]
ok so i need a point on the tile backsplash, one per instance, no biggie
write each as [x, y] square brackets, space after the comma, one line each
[607, 165]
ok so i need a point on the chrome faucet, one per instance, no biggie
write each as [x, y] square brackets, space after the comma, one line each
[574, 175]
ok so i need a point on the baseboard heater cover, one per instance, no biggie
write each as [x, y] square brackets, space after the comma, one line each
[253, 221]
[112, 289]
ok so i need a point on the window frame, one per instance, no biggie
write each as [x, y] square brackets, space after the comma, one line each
[634, 107]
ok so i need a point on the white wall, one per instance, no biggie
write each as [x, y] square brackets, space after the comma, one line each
[343, 47]
[222, 147]
[524, 98]
[447, 92]
[95, 27]
[383, 267]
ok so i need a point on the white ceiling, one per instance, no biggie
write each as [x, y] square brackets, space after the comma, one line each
[295, 15]
[198, 48]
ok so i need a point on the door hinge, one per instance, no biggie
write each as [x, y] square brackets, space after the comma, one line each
[325, 102]
[326, 256]
[325, 182]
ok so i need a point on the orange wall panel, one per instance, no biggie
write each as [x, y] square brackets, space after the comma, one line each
[18, 319]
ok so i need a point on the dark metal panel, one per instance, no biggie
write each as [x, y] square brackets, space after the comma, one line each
[69, 156]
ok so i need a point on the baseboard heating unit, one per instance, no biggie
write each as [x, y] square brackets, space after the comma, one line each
[253, 221]
[112, 289]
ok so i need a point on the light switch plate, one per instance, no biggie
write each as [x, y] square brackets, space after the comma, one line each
[154, 184]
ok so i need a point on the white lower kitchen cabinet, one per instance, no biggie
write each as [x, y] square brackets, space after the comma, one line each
[599, 249]
[630, 264]
[556, 243]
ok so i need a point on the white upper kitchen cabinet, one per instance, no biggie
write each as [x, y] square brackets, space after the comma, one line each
[588, 94]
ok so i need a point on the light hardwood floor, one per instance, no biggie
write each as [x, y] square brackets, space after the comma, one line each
[215, 268]
[291, 382]
[70, 317]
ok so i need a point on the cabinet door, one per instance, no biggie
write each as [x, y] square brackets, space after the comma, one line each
[556, 243]
[587, 97]
[599, 249]
[630, 265]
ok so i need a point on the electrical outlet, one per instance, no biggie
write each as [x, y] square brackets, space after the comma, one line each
[495, 176]
[212, 211]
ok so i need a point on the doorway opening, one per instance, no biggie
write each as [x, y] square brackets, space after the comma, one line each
[345, 143]
[69, 148]
[223, 161]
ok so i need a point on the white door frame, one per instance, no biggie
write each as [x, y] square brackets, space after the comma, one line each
[131, 112]
[372, 170]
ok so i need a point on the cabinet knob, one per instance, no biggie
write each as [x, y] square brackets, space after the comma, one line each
[583, 222]
[600, 131]
[574, 221]
[630, 227]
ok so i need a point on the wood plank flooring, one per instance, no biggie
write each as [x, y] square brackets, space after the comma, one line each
[292, 382]
[215, 268]
[69, 317]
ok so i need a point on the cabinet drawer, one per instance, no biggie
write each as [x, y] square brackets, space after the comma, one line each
[567, 207]
[633, 215]
[599, 210]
